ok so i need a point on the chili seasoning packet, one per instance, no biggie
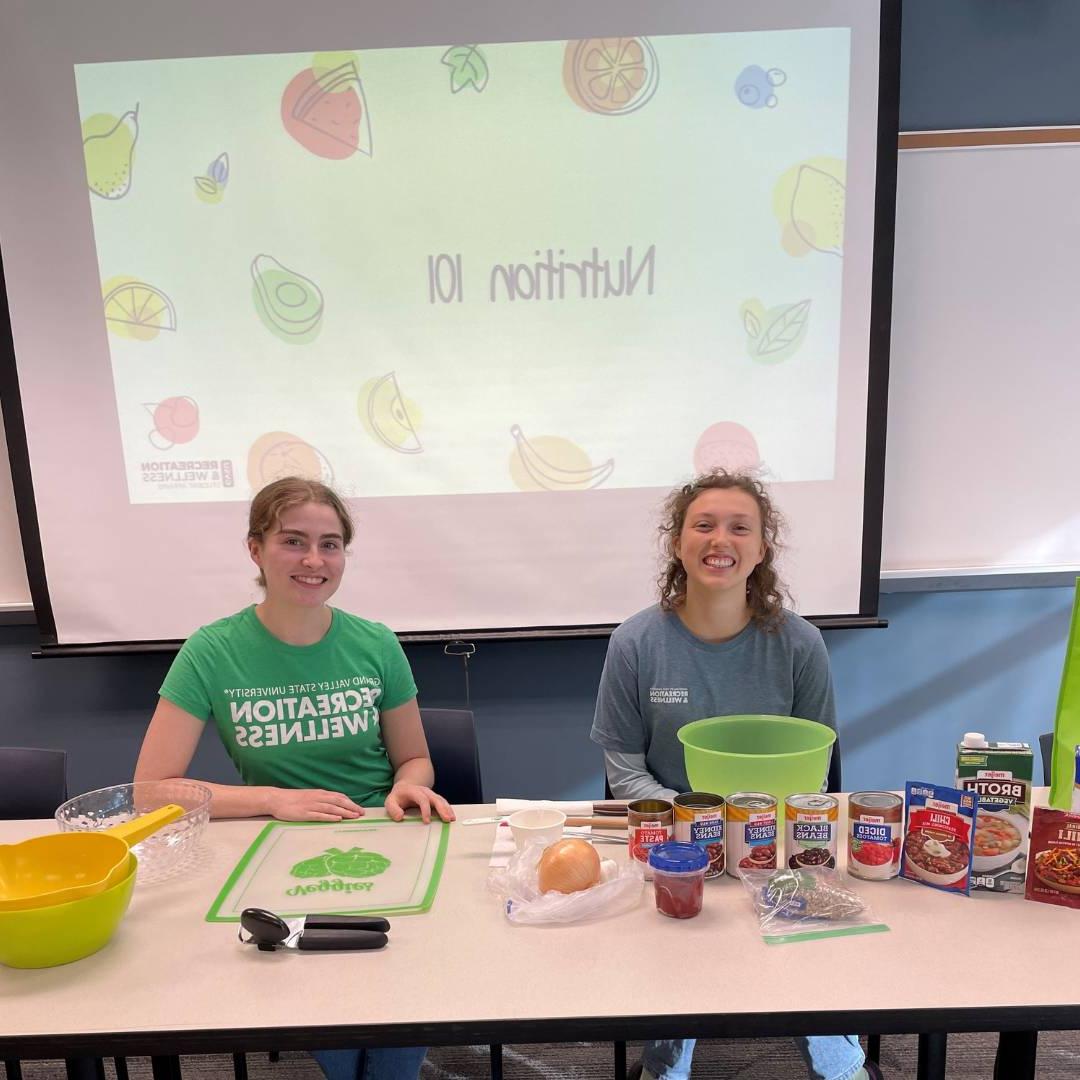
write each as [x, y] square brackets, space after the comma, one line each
[1053, 875]
[939, 835]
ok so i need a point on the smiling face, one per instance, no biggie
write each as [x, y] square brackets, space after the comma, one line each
[303, 556]
[721, 541]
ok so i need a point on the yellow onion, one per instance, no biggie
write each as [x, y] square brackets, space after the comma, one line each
[568, 866]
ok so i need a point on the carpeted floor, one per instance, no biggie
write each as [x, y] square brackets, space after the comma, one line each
[971, 1057]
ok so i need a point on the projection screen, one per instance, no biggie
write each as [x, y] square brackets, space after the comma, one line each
[501, 273]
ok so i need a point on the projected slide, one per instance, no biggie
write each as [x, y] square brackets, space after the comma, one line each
[472, 268]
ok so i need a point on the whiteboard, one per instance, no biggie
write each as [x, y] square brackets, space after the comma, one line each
[983, 424]
[984, 385]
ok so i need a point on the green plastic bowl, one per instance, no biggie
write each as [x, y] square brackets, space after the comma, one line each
[782, 755]
[62, 933]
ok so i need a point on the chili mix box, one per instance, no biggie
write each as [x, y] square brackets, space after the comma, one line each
[939, 835]
[1054, 858]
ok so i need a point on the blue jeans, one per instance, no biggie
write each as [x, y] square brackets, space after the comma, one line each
[828, 1057]
[380, 1063]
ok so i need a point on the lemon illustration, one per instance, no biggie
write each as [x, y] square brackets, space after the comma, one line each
[552, 463]
[808, 201]
[135, 309]
[389, 417]
[109, 150]
[289, 304]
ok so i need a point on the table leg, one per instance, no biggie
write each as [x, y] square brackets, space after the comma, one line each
[932, 1048]
[85, 1068]
[873, 1047]
[496, 1061]
[620, 1061]
[121, 1068]
[12, 1069]
[1016, 1055]
[239, 1066]
[166, 1067]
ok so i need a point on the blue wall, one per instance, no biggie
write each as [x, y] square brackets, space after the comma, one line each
[948, 662]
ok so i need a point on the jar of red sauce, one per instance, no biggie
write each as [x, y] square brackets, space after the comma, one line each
[678, 878]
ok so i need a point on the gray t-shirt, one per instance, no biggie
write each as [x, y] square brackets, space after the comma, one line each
[658, 676]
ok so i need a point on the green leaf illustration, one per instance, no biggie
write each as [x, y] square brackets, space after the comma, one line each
[785, 329]
[467, 67]
[751, 323]
[206, 184]
[316, 867]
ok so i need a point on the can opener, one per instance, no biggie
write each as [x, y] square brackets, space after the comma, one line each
[311, 933]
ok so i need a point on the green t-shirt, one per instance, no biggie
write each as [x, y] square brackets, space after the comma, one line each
[297, 716]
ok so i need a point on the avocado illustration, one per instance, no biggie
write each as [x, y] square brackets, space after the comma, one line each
[109, 150]
[289, 304]
[354, 863]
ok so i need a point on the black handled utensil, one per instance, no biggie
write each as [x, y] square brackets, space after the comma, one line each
[313, 933]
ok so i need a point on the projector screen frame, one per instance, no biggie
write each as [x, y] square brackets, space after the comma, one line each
[876, 413]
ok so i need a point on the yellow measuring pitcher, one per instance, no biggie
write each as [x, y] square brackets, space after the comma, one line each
[47, 870]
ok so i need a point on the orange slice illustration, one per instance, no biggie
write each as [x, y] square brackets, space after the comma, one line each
[610, 76]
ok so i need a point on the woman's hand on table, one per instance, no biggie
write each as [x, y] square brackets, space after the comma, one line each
[312, 804]
[404, 795]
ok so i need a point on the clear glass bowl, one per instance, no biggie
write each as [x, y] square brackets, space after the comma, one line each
[169, 849]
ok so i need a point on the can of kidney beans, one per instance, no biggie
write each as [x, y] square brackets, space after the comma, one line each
[875, 825]
[810, 830]
[699, 819]
[751, 832]
[649, 822]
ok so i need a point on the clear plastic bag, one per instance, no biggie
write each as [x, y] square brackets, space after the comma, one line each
[515, 884]
[808, 903]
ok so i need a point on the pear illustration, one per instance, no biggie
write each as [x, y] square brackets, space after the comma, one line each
[109, 149]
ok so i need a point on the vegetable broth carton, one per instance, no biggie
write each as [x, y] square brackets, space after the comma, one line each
[1000, 774]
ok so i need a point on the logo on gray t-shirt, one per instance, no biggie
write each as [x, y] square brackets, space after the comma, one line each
[669, 695]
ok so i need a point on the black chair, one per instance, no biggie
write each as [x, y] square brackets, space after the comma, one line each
[33, 782]
[451, 739]
[1046, 745]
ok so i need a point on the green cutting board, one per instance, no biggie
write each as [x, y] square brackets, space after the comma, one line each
[376, 867]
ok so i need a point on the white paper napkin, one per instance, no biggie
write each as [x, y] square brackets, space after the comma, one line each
[570, 809]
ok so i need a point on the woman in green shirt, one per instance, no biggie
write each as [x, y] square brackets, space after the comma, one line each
[317, 708]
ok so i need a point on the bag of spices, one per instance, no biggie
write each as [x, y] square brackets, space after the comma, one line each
[807, 903]
[1053, 875]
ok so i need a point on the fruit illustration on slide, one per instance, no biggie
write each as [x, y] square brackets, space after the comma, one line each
[776, 333]
[809, 201]
[289, 304]
[552, 463]
[278, 454]
[324, 109]
[176, 420]
[211, 187]
[754, 86]
[136, 309]
[388, 416]
[610, 76]
[109, 152]
[726, 445]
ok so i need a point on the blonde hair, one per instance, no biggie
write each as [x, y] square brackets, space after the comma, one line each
[765, 592]
[273, 500]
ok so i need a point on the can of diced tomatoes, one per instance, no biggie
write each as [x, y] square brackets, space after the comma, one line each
[810, 830]
[875, 825]
[751, 832]
[649, 822]
[699, 819]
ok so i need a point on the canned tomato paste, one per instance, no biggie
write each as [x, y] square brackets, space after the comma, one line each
[751, 832]
[875, 825]
[649, 822]
[699, 819]
[810, 830]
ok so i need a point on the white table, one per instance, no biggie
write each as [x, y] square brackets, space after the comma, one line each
[170, 982]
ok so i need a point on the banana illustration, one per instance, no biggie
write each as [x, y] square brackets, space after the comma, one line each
[544, 473]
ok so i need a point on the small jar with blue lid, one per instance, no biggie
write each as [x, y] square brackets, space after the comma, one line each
[678, 878]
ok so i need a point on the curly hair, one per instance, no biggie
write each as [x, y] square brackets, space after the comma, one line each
[281, 495]
[765, 592]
